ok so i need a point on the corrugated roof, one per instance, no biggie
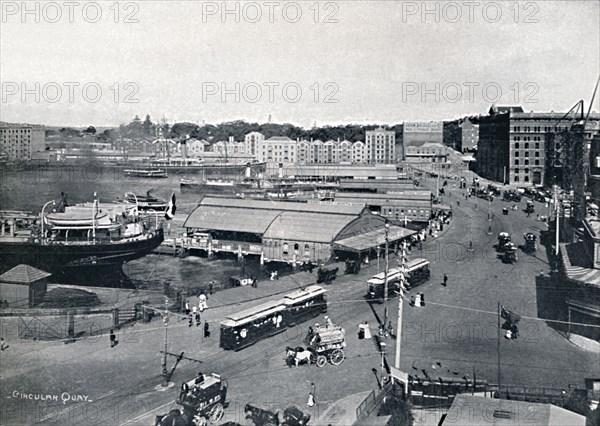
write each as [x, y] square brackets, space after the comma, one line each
[373, 238]
[23, 274]
[329, 208]
[231, 219]
[396, 195]
[372, 201]
[304, 226]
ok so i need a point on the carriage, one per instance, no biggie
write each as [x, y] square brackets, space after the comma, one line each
[262, 416]
[326, 276]
[510, 254]
[326, 342]
[503, 241]
[530, 207]
[203, 402]
[530, 243]
[352, 266]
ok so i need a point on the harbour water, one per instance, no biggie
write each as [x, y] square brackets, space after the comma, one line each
[31, 189]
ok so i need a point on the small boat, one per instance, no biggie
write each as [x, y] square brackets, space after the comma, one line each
[145, 203]
[146, 173]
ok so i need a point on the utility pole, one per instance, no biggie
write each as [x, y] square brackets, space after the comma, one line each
[400, 302]
[165, 374]
[556, 214]
[385, 282]
[498, 348]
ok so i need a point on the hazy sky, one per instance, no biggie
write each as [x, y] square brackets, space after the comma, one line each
[300, 62]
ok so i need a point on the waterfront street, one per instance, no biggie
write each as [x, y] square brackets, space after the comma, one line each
[457, 329]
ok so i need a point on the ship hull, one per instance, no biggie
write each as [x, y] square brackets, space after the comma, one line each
[76, 262]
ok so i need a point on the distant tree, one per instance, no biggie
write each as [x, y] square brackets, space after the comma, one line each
[148, 127]
[90, 130]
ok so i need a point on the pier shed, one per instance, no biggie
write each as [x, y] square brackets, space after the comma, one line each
[278, 231]
[23, 286]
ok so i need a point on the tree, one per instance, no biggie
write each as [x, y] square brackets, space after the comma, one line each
[90, 130]
[148, 127]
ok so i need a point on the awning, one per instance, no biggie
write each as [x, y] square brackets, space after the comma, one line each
[587, 276]
[362, 242]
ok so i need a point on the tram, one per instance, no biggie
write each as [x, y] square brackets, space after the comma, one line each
[417, 271]
[247, 327]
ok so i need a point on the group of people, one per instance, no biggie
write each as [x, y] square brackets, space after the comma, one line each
[195, 314]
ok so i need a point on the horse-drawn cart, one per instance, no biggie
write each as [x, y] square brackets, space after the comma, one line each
[325, 342]
[203, 402]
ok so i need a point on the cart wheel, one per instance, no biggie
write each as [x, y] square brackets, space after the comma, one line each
[337, 357]
[199, 421]
[216, 413]
[321, 361]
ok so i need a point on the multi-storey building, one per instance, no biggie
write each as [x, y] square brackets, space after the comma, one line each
[278, 149]
[230, 147]
[419, 133]
[512, 143]
[426, 153]
[381, 146]
[21, 141]
[469, 136]
[252, 143]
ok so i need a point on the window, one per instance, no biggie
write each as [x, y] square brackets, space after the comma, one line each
[516, 153]
[526, 178]
[537, 162]
[537, 145]
[516, 162]
[516, 179]
[537, 154]
[517, 145]
[526, 146]
[516, 170]
[527, 162]
[526, 153]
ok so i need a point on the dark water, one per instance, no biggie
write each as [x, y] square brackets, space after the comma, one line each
[31, 189]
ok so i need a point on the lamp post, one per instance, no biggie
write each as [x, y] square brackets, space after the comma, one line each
[400, 301]
[94, 209]
[385, 282]
[164, 365]
[43, 217]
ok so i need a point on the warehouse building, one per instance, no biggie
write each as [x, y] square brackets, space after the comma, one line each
[280, 231]
[398, 207]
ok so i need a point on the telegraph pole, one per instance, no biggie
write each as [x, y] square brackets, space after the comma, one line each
[165, 374]
[556, 214]
[400, 301]
[385, 282]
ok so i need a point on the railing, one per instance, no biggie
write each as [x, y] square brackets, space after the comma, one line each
[373, 401]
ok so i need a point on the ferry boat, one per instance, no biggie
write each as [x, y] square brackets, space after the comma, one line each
[146, 173]
[144, 203]
[68, 239]
[211, 186]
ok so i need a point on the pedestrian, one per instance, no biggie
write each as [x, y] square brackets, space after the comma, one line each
[210, 287]
[3, 344]
[254, 282]
[390, 329]
[206, 329]
[113, 339]
[311, 396]
[198, 320]
[191, 320]
[445, 280]
[187, 307]
[422, 299]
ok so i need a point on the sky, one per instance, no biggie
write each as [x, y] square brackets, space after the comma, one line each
[306, 62]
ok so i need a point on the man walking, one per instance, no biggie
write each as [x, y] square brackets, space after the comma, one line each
[113, 339]
[445, 280]
[206, 330]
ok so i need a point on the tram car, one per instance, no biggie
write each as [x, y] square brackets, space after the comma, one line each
[247, 327]
[418, 273]
[203, 402]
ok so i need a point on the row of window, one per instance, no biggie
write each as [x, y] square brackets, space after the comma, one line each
[538, 129]
[516, 153]
[526, 162]
[15, 130]
[526, 138]
[526, 145]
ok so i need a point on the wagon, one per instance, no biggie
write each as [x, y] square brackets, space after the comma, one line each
[202, 401]
[328, 342]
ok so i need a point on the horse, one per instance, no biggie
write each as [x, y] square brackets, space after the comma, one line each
[260, 416]
[174, 418]
[299, 355]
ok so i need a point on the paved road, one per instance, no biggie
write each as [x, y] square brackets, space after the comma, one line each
[457, 328]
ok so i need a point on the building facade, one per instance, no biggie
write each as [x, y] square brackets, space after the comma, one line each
[469, 136]
[426, 153]
[253, 142]
[19, 142]
[278, 149]
[419, 133]
[512, 143]
[380, 146]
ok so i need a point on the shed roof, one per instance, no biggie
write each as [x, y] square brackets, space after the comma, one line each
[308, 226]
[373, 238]
[330, 208]
[396, 195]
[23, 274]
[476, 410]
[230, 219]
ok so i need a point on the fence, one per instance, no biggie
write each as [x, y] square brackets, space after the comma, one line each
[373, 401]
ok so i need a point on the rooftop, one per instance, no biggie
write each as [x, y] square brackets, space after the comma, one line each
[476, 410]
[330, 208]
[306, 226]
[23, 274]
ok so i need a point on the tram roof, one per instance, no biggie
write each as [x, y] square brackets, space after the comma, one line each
[307, 293]
[254, 313]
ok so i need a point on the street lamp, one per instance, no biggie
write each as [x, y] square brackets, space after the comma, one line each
[43, 217]
[94, 209]
[385, 282]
